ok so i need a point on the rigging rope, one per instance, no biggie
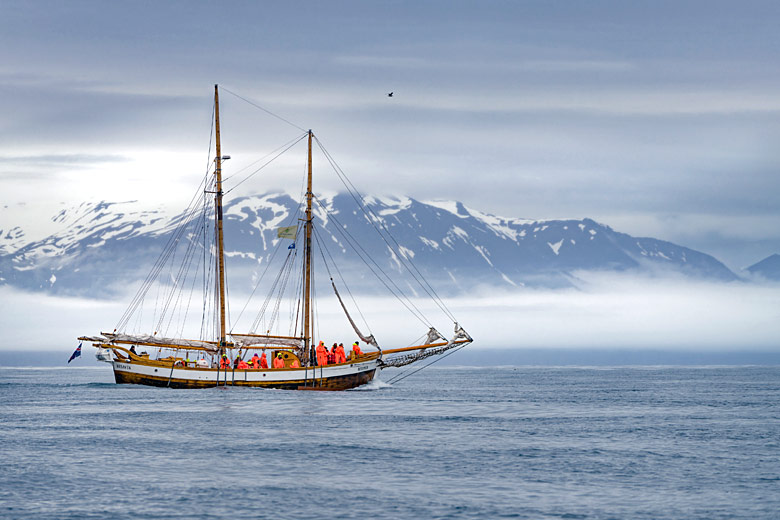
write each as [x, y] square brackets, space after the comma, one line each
[282, 277]
[191, 222]
[266, 156]
[286, 147]
[180, 281]
[293, 216]
[399, 378]
[357, 248]
[260, 279]
[264, 110]
[185, 220]
[209, 270]
[424, 284]
[367, 339]
[322, 245]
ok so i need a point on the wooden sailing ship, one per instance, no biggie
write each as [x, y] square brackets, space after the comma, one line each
[298, 366]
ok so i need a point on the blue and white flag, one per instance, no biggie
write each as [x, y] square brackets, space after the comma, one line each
[76, 353]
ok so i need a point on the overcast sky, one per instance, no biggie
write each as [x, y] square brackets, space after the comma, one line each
[658, 118]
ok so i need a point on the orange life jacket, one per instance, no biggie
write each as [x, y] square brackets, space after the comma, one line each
[278, 362]
[322, 354]
[256, 361]
[356, 350]
[263, 362]
[340, 355]
[224, 363]
[295, 364]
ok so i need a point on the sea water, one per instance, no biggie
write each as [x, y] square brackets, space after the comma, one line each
[512, 442]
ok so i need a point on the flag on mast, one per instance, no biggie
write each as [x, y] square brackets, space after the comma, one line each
[76, 353]
[286, 232]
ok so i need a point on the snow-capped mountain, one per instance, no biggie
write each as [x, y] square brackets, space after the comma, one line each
[98, 248]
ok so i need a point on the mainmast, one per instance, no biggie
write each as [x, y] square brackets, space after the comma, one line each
[307, 340]
[218, 216]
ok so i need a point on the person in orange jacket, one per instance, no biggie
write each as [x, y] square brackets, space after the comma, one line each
[224, 362]
[341, 356]
[356, 350]
[263, 362]
[255, 362]
[295, 364]
[242, 365]
[278, 361]
[322, 354]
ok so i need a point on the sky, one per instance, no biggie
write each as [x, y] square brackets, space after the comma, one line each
[657, 118]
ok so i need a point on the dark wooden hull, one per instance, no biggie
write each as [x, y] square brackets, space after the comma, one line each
[344, 382]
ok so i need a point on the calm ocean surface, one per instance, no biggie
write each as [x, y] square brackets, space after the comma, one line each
[601, 443]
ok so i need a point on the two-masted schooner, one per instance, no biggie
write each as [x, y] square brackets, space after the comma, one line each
[298, 365]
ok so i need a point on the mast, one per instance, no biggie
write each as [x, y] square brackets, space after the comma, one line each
[307, 264]
[218, 216]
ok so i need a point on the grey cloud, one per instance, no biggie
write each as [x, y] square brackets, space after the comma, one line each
[63, 159]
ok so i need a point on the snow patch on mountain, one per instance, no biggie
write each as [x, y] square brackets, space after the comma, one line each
[430, 243]
[12, 239]
[392, 206]
[481, 251]
[511, 229]
[450, 206]
[454, 233]
[508, 280]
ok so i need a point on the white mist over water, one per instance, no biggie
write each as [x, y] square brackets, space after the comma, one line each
[610, 311]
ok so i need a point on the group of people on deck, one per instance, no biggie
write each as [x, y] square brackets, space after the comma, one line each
[324, 357]
[336, 354]
[257, 362]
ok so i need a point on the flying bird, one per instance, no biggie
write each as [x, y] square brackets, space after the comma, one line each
[389, 94]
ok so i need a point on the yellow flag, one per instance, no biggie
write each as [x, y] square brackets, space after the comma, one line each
[286, 232]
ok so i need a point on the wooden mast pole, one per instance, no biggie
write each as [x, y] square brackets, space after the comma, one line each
[307, 265]
[218, 216]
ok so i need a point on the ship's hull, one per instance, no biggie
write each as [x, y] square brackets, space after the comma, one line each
[336, 377]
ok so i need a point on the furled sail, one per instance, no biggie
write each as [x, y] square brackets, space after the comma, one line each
[248, 340]
[366, 339]
[433, 336]
[154, 341]
[460, 338]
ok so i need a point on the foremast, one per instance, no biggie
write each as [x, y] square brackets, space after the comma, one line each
[307, 264]
[218, 217]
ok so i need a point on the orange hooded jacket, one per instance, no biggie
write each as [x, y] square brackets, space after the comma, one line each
[322, 354]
